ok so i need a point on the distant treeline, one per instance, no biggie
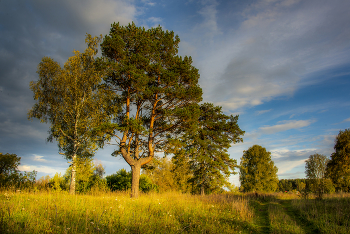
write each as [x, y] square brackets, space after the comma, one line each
[289, 185]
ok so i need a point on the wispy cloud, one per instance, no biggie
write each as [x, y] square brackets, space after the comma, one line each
[209, 24]
[285, 125]
[39, 158]
[346, 120]
[155, 21]
[262, 112]
[274, 49]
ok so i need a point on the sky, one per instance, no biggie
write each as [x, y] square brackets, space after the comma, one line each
[283, 66]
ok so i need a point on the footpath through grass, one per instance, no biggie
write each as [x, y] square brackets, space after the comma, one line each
[290, 214]
[52, 212]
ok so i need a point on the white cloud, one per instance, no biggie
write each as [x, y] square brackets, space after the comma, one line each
[286, 159]
[208, 27]
[42, 169]
[103, 13]
[262, 112]
[285, 125]
[148, 2]
[155, 21]
[346, 120]
[286, 166]
[272, 52]
[24, 168]
[39, 158]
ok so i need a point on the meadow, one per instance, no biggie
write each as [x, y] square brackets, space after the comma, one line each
[171, 212]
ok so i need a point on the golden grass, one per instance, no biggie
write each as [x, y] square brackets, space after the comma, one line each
[171, 212]
[52, 212]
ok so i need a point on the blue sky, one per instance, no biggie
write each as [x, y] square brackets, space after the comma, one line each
[282, 65]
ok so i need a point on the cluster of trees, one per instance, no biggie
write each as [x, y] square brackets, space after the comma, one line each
[89, 175]
[257, 173]
[11, 176]
[324, 175]
[325, 172]
[141, 95]
[338, 167]
[309, 185]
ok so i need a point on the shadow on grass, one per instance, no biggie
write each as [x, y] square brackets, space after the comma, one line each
[306, 225]
[262, 220]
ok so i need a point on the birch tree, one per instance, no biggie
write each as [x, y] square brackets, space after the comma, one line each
[72, 100]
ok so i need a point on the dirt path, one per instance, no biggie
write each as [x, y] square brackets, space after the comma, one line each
[262, 221]
[306, 225]
[280, 217]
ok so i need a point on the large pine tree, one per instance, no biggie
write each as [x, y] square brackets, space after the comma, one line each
[157, 89]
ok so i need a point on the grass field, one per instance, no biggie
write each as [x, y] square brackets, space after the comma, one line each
[58, 212]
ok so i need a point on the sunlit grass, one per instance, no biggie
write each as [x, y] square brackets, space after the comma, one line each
[329, 215]
[172, 212]
[280, 221]
[50, 212]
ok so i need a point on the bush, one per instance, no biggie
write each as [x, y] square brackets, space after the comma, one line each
[121, 181]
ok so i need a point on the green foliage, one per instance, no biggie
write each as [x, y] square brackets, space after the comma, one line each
[257, 170]
[181, 172]
[27, 179]
[338, 168]
[121, 181]
[43, 183]
[309, 185]
[315, 167]
[206, 147]
[9, 173]
[89, 175]
[11, 176]
[160, 172]
[157, 89]
[73, 101]
[58, 182]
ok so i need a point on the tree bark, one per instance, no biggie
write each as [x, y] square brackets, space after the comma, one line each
[135, 183]
[72, 181]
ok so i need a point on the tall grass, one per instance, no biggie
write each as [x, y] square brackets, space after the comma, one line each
[59, 212]
[329, 215]
[115, 212]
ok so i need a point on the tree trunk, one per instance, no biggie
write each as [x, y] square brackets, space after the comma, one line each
[72, 180]
[202, 190]
[135, 183]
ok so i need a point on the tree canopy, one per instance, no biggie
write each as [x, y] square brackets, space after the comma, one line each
[8, 168]
[207, 145]
[338, 167]
[73, 101]
[157, 89]
[257, 171]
